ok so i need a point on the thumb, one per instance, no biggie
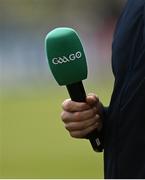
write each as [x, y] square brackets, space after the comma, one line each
[92, 99]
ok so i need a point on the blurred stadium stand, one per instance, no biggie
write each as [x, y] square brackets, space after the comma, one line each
[24, 24]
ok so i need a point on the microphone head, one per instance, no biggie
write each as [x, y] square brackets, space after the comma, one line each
[66, 56]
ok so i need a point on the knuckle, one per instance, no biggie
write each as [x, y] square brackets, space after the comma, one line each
[95, 110]
[72, 134]
[77, 134]
[97, 117]
[77, 116]
[70, 126]
[63, 104]
[64, 116]
[67, 127]
[94, 96]
[66, 104]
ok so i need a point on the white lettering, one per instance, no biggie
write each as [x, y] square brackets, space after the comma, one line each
[72, 57]
[64, 59]
[60, 60]
[54, 61]
[78, 54]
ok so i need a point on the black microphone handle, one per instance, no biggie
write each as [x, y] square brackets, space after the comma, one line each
[78, 94]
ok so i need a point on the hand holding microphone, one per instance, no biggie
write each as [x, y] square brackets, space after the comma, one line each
[68, 65]
[82, 118]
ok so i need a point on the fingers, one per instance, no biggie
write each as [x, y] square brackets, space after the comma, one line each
[72, 106]
[84, 132]
[81, 118]
[79, 115]
[76, 126]
[92, 99]
[83, 128]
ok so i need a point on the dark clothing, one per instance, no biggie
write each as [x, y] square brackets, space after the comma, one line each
[124, 126]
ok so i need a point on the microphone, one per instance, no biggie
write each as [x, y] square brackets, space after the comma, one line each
[67, 61]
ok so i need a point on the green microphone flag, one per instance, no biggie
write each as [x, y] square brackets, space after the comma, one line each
[68, 65]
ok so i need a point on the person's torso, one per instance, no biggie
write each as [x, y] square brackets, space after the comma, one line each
[125, 126]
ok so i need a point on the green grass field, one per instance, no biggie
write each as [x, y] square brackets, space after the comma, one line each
[34, 143]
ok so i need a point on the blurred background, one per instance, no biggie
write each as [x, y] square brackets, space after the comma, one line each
[33, 141]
